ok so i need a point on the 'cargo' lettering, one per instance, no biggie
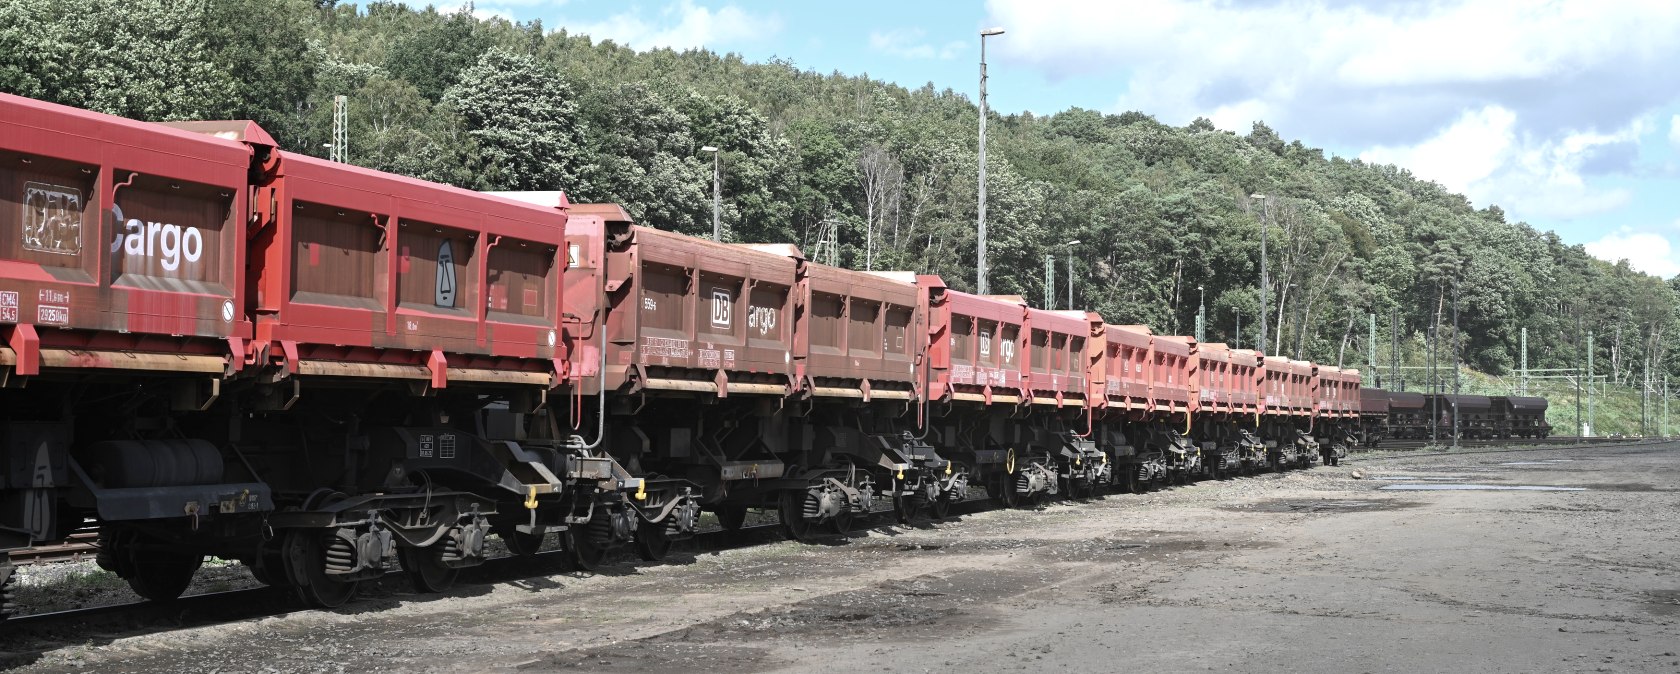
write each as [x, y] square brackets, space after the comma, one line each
[156, 239]
[761, 318]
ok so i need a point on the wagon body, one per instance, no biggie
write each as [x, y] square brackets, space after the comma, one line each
[126, 238]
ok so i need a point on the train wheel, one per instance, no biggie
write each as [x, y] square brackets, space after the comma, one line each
[520, 543]
[426, 569]
[904, 508]
[731, 516]
[7, 605]
[842, 523]
[792, 509]
[940, 507]
[155, 574]
[652, 541]
[1007, 492]
[306, 564]
[585, 547]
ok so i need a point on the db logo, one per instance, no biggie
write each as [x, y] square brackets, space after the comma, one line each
[171, 243]
[723, 305]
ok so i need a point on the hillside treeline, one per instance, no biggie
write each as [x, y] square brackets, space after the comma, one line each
[885, 173]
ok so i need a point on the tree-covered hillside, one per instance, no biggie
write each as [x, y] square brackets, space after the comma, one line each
[1158, 210]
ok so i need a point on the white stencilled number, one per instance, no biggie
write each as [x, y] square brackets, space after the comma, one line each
[985, 344]
[723, 305]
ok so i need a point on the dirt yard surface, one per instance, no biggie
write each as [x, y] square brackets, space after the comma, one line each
[1309, 571]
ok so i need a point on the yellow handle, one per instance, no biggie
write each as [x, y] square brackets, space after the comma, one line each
[641, 489]
[947, 467]
[1009, 465]
[531, 497]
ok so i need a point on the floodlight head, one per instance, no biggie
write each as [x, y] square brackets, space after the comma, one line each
[708, 148]
[996, 30]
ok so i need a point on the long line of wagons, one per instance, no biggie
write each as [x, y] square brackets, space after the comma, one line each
[1429, 416]
[212, 346]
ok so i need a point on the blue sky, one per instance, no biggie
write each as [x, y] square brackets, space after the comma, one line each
[1565, 113]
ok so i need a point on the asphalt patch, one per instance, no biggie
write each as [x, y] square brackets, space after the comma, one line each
[1662, 602]
[908, 609]
[1320, 506]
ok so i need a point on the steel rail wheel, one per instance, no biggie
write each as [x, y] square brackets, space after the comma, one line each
[306, 564]
[426, 569]
[586, 544]
[653, 542]
[905, 507]
[940, 507]
[792, 507]
[731, 516]
[519, 543]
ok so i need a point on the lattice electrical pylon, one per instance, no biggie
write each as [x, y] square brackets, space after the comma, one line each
[340, 151]
[827, 250]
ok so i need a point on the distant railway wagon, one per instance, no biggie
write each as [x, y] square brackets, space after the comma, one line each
[212, 346]
[1374, 417]
[1520, 417]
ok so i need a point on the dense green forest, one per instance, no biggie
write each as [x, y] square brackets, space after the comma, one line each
[887, 173]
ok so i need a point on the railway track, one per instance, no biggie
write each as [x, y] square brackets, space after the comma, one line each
[81, 545]
[265, 602]
[1398, 444]
[84, 543]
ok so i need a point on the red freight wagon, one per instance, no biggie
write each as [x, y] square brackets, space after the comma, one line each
[1126, 359]
[974, 345]
[1173, 374]
[699, 316]
[1288, 387]
[129, 237]
[862, 332]
[358, 267]
[1216, 383]
[1338, 392]
[1056, 360]
[1248, 368]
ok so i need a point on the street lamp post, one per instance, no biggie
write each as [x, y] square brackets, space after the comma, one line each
[1265, 282]
[1236, 339]
[980, 266]
[1457, 427]
[1070, 246]
[1201, 316]
[717, 194]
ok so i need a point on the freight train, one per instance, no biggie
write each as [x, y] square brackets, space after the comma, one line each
[1420, 416]
[212, 346]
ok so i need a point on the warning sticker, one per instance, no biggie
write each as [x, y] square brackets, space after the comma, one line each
[8, 306]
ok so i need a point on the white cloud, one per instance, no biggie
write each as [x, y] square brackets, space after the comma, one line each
[480, 11]
[682, 25]
[1646, 252]
[1674, 130]
[1359, 72]
[908, 43]
[1482, 155]
[1512, 102]
[1469, 150]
